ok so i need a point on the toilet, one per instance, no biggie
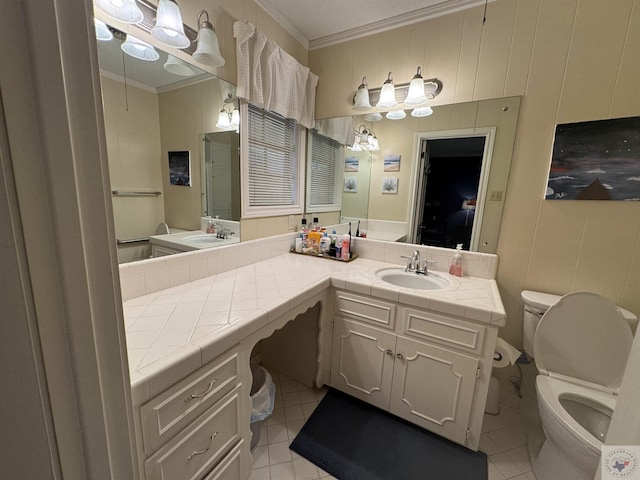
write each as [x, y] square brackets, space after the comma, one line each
[580, 343]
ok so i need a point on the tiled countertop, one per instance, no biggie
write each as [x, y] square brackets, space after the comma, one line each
[176, 330]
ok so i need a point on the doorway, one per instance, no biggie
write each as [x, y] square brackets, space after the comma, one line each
[451, 177]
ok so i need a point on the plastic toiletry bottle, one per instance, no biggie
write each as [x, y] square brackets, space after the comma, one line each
[455, 268]
[315, 226]
[299, 243]
[339, 247]
[325, 244]
[346, 243]
[303, 227]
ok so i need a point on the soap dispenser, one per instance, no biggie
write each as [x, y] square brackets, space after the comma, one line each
[455, 268]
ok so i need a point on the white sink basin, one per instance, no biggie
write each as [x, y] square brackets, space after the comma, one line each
[400, 278]
[205, 238]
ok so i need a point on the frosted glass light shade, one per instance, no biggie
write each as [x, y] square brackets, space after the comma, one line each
[168, 28]
[362, 101]
[178, 67]
[387, 94]
[235, 118]
[208, 50]
[416, 95]
[102, 31]
[421, 112]
[373, 117]
[223, 120]
[396, 115]
[139, 49]
[125, 11]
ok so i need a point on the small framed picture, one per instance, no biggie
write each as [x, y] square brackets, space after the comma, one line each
[351, 164]
[389, 184]
[180, 168]
[351, 184]
[392, 163]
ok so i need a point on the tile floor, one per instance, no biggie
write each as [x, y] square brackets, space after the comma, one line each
[503, 439]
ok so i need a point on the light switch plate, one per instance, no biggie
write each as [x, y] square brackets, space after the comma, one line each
[292, 222]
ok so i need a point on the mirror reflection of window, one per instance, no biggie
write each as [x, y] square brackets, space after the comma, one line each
[325, 162]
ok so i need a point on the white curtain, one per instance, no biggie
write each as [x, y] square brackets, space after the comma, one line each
[340, 129]
[270, 78]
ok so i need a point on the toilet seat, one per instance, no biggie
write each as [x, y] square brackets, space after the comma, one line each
[583, 338]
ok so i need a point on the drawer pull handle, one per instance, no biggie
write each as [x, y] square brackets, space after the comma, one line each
[200, 452]
[200, 395]
[399, 356]
[389, 352]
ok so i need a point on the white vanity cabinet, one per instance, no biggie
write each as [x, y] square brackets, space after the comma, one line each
[193, 429]
[428, 368]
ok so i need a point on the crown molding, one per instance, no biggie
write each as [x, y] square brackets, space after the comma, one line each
[401, 20]
[284, 22]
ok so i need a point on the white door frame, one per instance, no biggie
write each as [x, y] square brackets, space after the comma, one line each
[64, 243]
[489, 134]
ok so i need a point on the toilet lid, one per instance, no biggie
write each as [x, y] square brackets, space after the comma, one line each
[585, 337]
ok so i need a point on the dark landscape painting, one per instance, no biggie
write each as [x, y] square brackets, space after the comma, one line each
[597, 160]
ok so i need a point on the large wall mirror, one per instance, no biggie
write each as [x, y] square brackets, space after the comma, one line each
[447, 173]
[172, 144]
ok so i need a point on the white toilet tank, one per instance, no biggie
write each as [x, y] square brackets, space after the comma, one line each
[537, 303]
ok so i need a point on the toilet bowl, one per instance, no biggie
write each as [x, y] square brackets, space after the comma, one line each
[581, 346]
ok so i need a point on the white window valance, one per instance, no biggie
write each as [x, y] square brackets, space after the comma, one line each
[270, 78]
[340, 129]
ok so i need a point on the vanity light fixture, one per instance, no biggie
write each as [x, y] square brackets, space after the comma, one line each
[208, 51]
[168, 28]
[103, 33]
[365, 140]
[387, 94]
[126, 11]
[413, 94]
[373, 117]
[139, 49]
[224, 119]
[361, 101]
[396, 115]
[178, 67]
[421, 112]
[416, 94]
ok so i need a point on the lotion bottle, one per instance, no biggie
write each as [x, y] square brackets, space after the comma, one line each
[455, 268]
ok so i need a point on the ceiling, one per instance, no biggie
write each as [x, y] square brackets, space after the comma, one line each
[319, 23]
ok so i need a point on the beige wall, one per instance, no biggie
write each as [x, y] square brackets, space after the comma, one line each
[133, 146]
[572, 61]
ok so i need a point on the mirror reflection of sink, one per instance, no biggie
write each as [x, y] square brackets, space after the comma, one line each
[205, 238]
[400, 278]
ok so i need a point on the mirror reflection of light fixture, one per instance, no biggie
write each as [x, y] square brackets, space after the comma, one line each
[168, 28]
[396, 114]
[365, 140]
[178, 67]
[387, 94]
[139, 49]
[102, 31]
[421, 112]
[126, 11]
[361, 101]
[235, 118]
[468, 205]
[208, 51]
[224, 120]
[416, 94]
[229, 116]
[373, 117]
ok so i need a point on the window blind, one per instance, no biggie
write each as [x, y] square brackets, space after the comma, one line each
[272, 159]
[322, 178]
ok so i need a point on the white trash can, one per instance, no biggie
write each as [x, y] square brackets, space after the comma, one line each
[263, 392]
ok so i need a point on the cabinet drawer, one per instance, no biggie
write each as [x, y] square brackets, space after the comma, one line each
[169, 412]
[444, 330]
[230, 468]
[195, 451]
[365, 309]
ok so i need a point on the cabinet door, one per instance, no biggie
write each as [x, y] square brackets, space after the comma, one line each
[362, 362]
[433, 387]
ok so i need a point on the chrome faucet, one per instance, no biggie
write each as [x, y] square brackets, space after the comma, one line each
[413, 264]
